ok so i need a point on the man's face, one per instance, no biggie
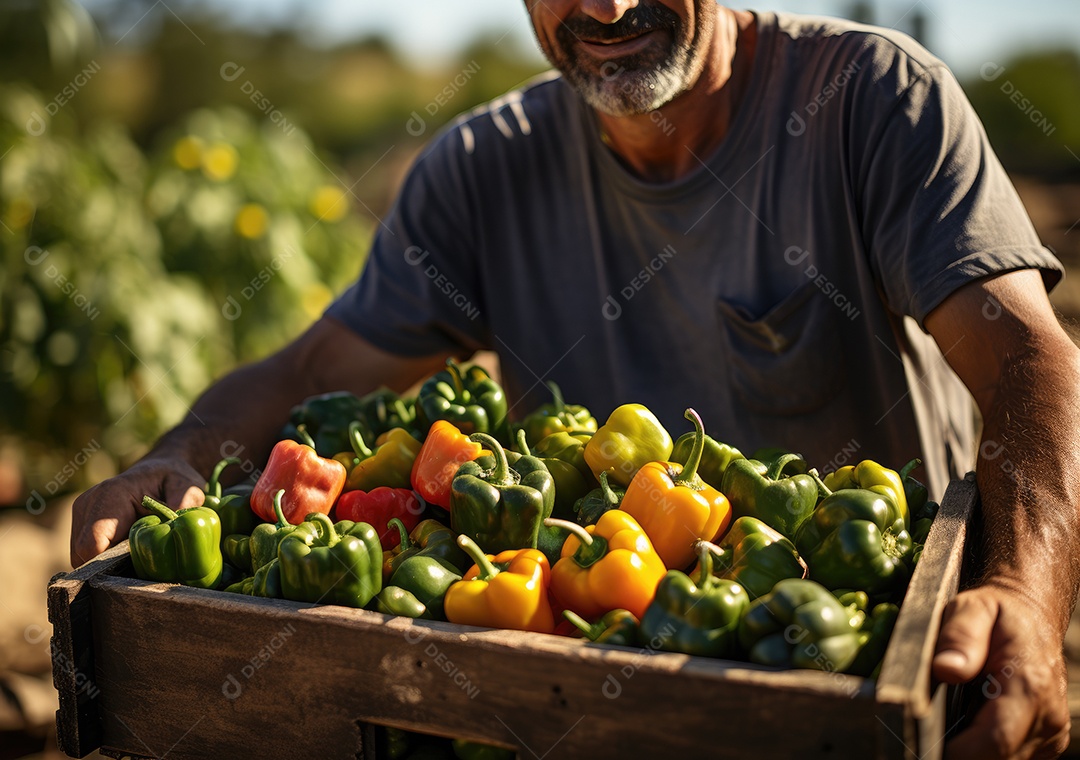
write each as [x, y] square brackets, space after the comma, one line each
[625, 63]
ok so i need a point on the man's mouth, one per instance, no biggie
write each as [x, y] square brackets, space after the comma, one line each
[618, 48]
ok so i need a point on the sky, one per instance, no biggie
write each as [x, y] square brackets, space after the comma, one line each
[965, 33]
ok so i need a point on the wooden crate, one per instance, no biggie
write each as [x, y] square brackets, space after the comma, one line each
[151, 669]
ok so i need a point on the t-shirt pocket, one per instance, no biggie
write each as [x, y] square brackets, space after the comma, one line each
[790, 360]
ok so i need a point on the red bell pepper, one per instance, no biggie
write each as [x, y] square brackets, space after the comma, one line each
[377, 507]
[311, 483]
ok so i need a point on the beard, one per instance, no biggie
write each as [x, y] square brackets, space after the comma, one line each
[641, 82]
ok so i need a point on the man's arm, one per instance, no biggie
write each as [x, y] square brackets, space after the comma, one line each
[247, 408]
[1024, 372]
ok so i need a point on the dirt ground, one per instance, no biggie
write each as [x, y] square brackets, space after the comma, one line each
[34, 548]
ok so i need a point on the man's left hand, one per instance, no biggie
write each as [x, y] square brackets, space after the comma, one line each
[997, 631]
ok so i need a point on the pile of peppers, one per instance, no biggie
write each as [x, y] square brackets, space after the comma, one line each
[439, 507]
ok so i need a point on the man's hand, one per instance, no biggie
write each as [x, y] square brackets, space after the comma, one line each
[997, 631]
[103, 515]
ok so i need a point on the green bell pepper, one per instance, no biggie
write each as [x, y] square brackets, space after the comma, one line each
[794, 464]
[266, 537]
[630, 439]
[856, 539]
[570, 448]
[427, 579]
[782, 503]
[323, 563]
[177, 547]
[233, 509]
[468, 398]
[921, 510]
[501, 507]
[383, 410]
[569, 484]
[592, 506]
[799, 624]
[756, 557]
[557, 417]
[267, 581]
[326, 419]
[245, 587]
[874, 635]
[617, 627]
[698, 615]
[236, 550]
[715, 457]
[394, 600]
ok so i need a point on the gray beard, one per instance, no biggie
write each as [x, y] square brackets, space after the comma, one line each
[631, 92]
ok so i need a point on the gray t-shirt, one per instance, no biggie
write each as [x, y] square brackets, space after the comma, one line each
[780, 288]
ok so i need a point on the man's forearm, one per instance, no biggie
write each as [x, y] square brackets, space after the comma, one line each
[1028, 467]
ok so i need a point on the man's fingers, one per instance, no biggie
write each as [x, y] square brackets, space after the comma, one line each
[964, 640]
[184, 497]
[102, 524]
[1000, 729]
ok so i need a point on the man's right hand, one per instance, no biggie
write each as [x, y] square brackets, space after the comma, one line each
[103, 515]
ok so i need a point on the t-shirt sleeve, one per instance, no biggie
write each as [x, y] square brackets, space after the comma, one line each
[418, 293]
[938, 209]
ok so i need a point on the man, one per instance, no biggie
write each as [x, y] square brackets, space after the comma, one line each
[796, 226]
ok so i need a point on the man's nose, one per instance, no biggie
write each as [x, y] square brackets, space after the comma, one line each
[607, 11]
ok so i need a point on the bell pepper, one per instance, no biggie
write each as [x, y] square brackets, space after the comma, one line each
[569, 484]
[501, 508]
[570, 448]
[715, 457]
[393, 600]
[557, 417]
[324, 418]
[177, 547]
[782, 503]
[596, 502]
[445, 449]
[244, 587]
[234, 511]
[799, 624]
[921, 510]
[428, 539]
[874, 477]
[856, 539]
[695, 615]
[266, 537]
[756, 557]
[427, 578]
[311, 482]
[236, 549]
[468, 398]
[509, 590]
[607, 566]
[389, 465]
[631, 438]
[618, 627]
[675, 507]
[267, 581]
[323, 563]
[794, 464]
[874, 636]
[378, 507]
[383, 410]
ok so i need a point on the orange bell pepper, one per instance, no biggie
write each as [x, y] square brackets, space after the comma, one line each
[675, 507]
[607, 566]
[509, 590]
[445, 449]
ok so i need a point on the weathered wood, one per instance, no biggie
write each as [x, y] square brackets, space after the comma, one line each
[191, 673]
[911, 717]
[78, 729]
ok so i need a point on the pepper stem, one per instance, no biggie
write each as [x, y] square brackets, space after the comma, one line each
[557, 397]
[593, 548]
[823, 489]
[500, 476]
[487, 570]
[689, 477]
[455, 375]
[705, 562]
[157, 508]
[523, 443]
[907, 469]
[610, 497]
[305, 436]
[395, 522]
[581, 624]
[281, 521]
[324, 526]
[401, 410]
[778, 466]
[356, 438]
[213, 487]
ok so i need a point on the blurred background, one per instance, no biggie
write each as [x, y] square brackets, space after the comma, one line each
[184, 186]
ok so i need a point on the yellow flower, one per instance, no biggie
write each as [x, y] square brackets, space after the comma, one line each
[252, 221]
[329, 204]
[187, 152]
[219, 161]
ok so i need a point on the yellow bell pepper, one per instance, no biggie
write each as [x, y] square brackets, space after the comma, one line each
[390, 464]
[675, 507]
[509, 590]
[870, 475]
[607, 566]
